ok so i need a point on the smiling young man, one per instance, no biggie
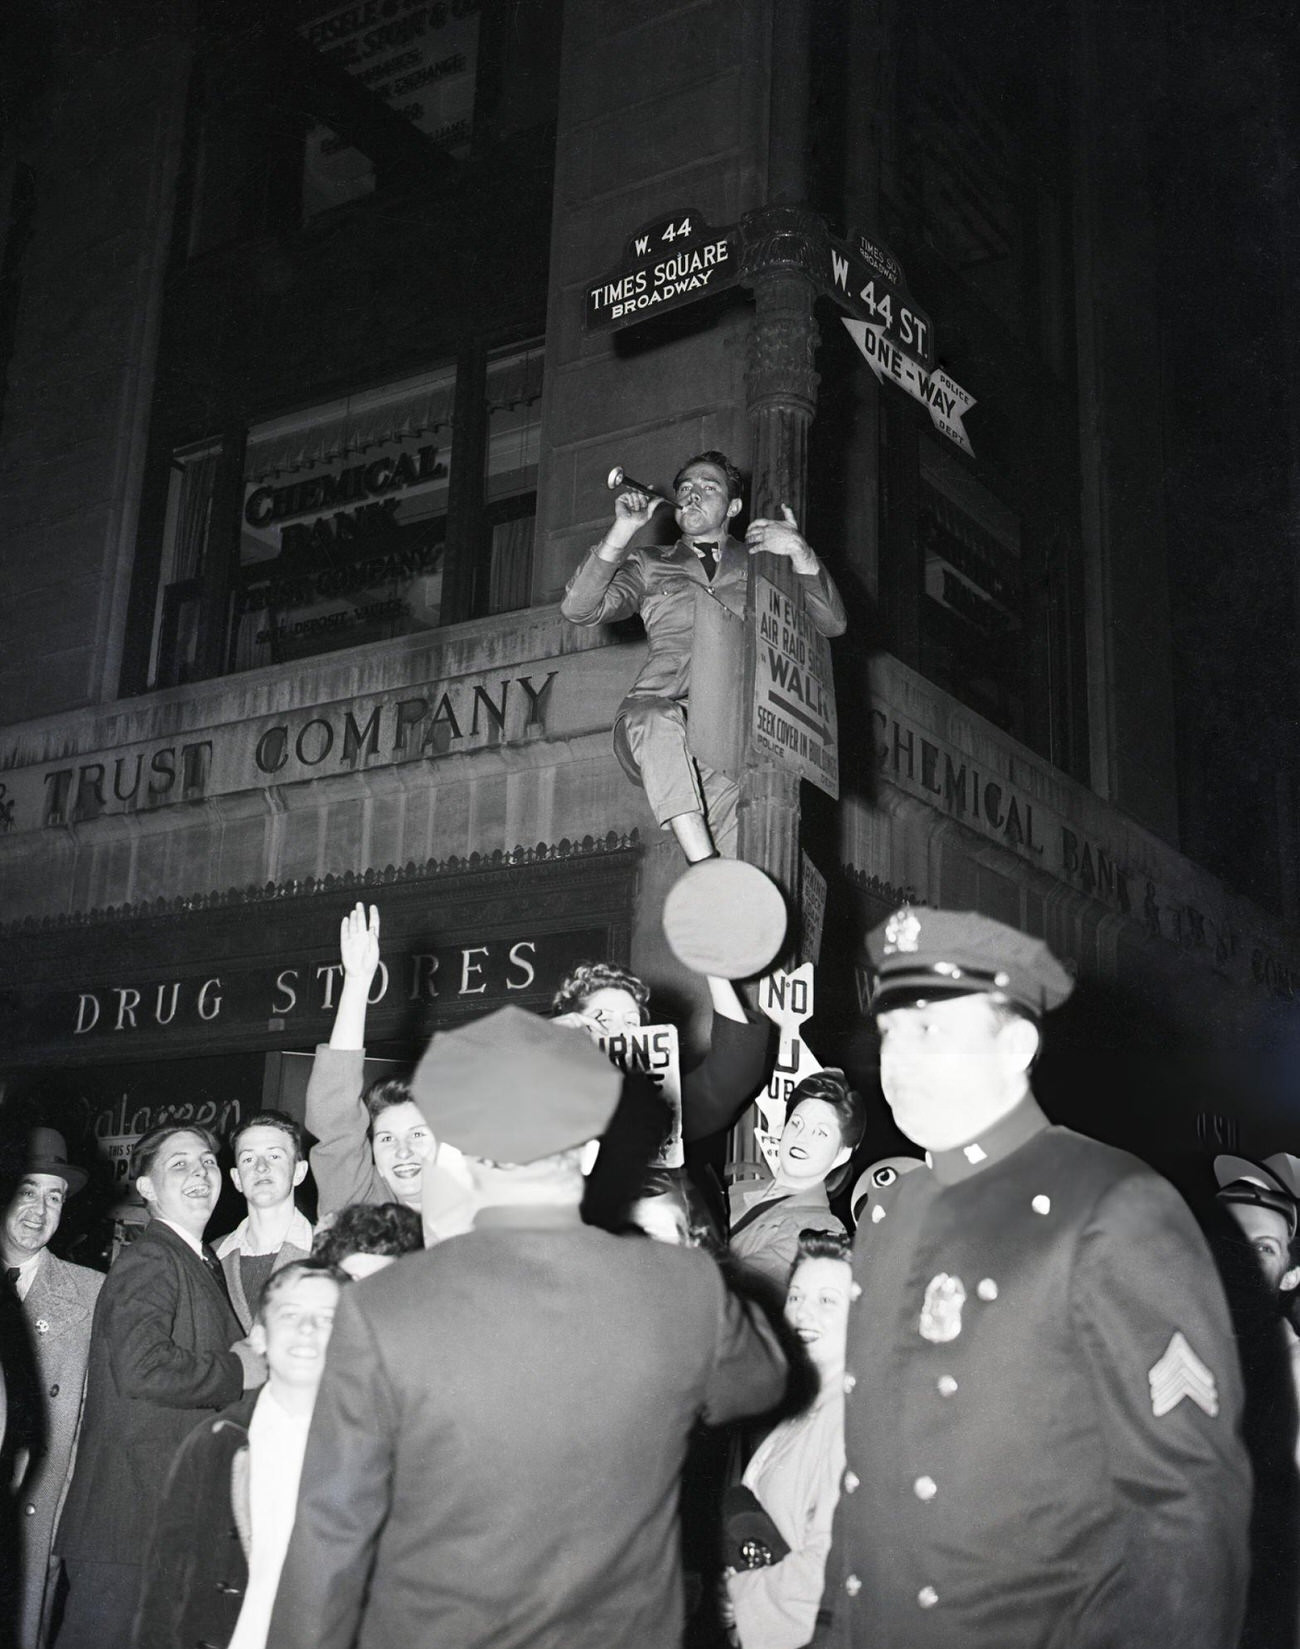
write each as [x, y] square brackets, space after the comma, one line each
[228, 1505]
[1042, 1395]
[164, 1345]
[662, 583]
[269, 1167]
[58, 1302]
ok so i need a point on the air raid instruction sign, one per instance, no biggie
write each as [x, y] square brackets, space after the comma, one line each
[794, 693]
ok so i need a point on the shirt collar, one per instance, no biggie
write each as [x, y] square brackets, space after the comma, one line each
[1006, 1135]
[186, 1237]
[551, 1216]
[298, 1234]
[27, 1274]
[686, 546]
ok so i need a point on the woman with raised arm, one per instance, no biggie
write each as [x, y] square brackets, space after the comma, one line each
[373, 1144]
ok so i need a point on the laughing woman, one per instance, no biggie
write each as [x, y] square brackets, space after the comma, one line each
[795, 1473]
[824, 1123]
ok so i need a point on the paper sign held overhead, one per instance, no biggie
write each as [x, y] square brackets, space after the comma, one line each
[787, 1000]
[652, 1050]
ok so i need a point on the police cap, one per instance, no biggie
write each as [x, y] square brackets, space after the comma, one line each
[1268, 1184]
[923, 955]
[512, 1087]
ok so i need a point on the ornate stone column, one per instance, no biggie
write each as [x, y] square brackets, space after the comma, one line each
[780, 244]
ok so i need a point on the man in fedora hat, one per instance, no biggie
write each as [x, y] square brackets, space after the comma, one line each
[499, 1435]
[1042, 1395]
[58, 1304]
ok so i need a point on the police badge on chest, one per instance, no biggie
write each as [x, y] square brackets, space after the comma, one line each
[941, 1309]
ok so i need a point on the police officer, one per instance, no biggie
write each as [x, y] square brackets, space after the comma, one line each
[1043, 1398]
[496, 1448]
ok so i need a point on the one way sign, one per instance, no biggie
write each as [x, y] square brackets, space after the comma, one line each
[946, 401]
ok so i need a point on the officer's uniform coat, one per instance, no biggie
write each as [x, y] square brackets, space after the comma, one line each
[498, 1438]
[59, 1308]
[1042, 1407]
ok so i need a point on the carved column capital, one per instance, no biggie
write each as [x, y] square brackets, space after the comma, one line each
[777, 238]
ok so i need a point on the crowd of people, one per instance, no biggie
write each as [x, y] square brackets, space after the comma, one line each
[990, 1393]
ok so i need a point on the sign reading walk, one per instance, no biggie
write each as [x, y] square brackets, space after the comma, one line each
[794, 693]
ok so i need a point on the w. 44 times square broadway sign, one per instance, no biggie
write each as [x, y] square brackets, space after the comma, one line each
[666, 264]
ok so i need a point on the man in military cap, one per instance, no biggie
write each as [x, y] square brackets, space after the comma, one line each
[1043, 1397]
[497, 1442]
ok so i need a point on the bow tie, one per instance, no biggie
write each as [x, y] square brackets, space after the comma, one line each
[707, 551]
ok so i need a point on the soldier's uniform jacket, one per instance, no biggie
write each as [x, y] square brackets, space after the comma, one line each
[1042, 1407]
[662, 582]
[496, 1447]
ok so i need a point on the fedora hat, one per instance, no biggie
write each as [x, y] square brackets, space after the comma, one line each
[47, 1153]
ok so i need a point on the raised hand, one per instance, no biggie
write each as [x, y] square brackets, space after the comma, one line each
[359, 943]
[636, 508]
[782, 538]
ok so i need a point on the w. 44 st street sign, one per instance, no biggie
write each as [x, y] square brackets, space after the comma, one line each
[895, 337]
[867, 280]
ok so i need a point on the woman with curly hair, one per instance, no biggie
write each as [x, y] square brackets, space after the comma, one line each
[604, 1000]
[368, 1236]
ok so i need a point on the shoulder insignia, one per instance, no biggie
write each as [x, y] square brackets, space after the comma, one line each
[941, 1309]
[1181, 1373]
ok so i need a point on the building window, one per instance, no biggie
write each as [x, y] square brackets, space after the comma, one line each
[330, 526]
[422, 64]
[972, 620]
[514, 431]
[191, 489]
[343, 523]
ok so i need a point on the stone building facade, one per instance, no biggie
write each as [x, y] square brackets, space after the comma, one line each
[303, 430]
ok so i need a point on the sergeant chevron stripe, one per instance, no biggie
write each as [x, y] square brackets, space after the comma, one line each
[1181, 1373]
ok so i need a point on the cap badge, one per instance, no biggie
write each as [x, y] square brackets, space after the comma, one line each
[941, 1309]
[902, 931]
[1181, 1373]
